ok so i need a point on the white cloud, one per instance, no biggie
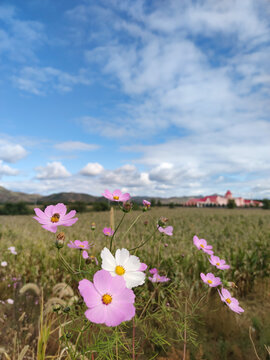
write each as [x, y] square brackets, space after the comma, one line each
[75, 146]
[92, 169]
[40, 81]
[53, 170]
[11, 152]
[7, 170]
[19, 38]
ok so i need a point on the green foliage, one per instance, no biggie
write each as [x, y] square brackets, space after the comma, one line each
[79, 206]
[231, 204]
[101, 206]
[266, 204]
[19, 208]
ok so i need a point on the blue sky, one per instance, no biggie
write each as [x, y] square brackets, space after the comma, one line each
[158, 98]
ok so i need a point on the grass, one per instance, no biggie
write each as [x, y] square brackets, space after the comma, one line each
[184, 310]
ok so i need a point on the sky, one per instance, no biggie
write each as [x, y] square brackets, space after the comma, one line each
[158, 98]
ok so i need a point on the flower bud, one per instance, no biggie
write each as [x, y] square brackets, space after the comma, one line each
[93, 226]
[60, 238]
[162, 221]
[145, 223]
[127, 206]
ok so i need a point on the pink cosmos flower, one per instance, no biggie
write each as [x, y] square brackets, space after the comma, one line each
[108, 231]
[201, 244]
[210, 279]
[156, 277]
[167, 230]
[81, 245]
[143, 267]
[116, 195]
[108, 300]
[219, 263]
[146, 203]
[230, 301]
[55, 215]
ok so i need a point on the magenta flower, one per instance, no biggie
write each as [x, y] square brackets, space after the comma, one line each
[108, 300]
[108, 231]
[201, 244]
[210, 279]
[55, 215]
[219, 263]
[146, 204]
[143, 267]
[167, 230]
[230, 301]
[116, 195]
[81, 245]
[156, 277]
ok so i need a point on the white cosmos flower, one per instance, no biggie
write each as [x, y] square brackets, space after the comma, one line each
[123, 264]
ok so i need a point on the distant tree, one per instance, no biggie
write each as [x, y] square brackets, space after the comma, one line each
[159, 203]
[171, 205]
[101, 206]
[153, 202]
[19, 208]
[231, 204]
[266, 204]
[79, 206]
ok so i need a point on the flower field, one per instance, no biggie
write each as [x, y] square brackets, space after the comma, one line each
[49, 280]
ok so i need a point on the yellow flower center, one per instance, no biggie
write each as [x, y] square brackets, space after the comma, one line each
[55, 218]
[209, 281]
[202, 246]
[217, 264]
[81, 246]
[120, 270]
[228, 301]
[116, 197]
[106, 299]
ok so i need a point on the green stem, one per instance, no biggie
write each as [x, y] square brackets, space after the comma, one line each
[116, 230]
[134, 222]
[143, 243]
[62, 259]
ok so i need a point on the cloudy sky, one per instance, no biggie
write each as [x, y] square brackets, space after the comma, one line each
[163, 98]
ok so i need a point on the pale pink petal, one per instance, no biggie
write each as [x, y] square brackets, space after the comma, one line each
[67, 222]
[49, 211]
[85, 254]
[143, 267]
[103, 281]
[42, 221]
[90, 296]
[40, 213]
[124, 197]
[108, 195]
[60, 209]
[68, 215]
[52, 228]
[97, 314]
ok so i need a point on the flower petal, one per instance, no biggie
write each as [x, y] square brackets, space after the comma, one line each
[108, 261]
[121, 256]
[90, 295]
[103, 281]
[134, 279]
[97, 314]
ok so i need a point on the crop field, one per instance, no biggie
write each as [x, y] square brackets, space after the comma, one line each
[42, 312]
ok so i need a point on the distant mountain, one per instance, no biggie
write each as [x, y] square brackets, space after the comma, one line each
[69, 197]
[13, 197]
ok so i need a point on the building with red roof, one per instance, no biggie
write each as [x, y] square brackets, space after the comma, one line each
[218, 200]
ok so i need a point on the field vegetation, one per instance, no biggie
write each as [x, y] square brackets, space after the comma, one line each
[180, 318]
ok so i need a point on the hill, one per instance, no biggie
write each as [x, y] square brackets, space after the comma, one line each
[7, 196]
[14, 197]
